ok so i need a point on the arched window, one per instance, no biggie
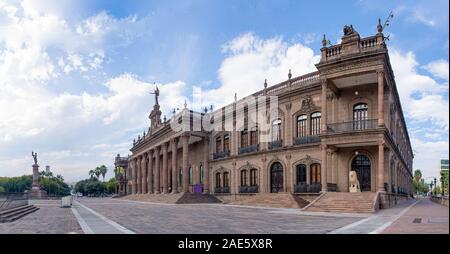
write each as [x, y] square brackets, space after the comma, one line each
[190, 176]
[218, 182]
[254, 136]
[301, 126]
[244, 178]
[315, 173]
[226, 142]
[226, 179]
[315, 123]
[301, 173]
[360, 116]
[253, 177]
[218, 144]
[276, 130]
[244, 138]
[200, 180]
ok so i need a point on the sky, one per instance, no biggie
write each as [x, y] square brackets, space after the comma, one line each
[75, 76]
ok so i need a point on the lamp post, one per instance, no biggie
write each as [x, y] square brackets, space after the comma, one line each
[435, 189]
[442, 185]
[431, 188]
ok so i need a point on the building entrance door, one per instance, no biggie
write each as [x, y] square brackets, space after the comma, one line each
[361, 165]
[276, 178]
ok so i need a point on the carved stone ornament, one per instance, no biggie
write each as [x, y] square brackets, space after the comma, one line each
[348, 30]
[353, 182]
[307, 104]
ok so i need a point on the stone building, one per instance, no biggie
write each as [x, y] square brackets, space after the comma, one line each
[344, 117]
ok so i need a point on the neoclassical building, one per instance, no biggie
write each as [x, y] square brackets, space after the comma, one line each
[344, 117]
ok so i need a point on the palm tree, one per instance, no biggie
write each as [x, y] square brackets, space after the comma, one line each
[97, 172]
[91, 173]
[103, 169]
[417, 175]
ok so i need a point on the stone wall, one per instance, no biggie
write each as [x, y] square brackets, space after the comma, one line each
[440, 200]
[387, 200]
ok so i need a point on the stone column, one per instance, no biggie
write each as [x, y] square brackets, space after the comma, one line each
[134, 186]
[380, 111]
[157, 171]
[165, 171]
[150, 171]
[185, 143]
[333, 167]
[287, 132]
[35, 183]
[324, 106]
[380, 181]
[144, 173]
[323, 168]
[174, 143]
[206, 166]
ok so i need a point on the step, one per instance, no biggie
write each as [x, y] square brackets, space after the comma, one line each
[18, 214]
[14, 209]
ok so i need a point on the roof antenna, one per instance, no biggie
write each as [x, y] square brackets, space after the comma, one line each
[385, 25]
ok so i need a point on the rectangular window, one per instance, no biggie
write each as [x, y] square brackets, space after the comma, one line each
[226, 181]
[226, 143]
[218, 144]
[244, 138]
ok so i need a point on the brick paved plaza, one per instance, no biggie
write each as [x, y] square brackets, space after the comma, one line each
[117, 216]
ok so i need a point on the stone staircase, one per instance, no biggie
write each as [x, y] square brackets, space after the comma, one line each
[344, 202]
[197, 198]
[16, 213]
[155, 198]
[283, 200]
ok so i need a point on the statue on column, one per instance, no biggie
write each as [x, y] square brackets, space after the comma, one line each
[34, 157]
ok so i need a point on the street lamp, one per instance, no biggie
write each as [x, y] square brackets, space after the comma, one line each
[442, 185]
[435, 189]
[431, 188]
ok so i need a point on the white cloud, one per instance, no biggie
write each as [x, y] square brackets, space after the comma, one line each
[419, 16]
[438, 68]
[250, 59]
[421, 96]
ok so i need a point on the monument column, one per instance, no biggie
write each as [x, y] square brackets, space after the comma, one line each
[323, 168]
[35, 183]
[185, 143]
[174, 143]
[164, 168]
[150, 171]
[206, 166]
[157, 171]
[144, 173]
[380, 111]
[380, 181]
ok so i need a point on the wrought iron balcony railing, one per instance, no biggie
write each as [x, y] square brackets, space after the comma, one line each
[358, 125]
[307, 188]
[249, 189]
[224, 189]
[249, 149]
[221, 154]
[275, 144]
[306, 140]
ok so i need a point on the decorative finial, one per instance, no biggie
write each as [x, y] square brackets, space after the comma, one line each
[379, 26]
[205, 109]
[235, 97]
[144, 135]
[173, 111]
[165, 119]
[265, 83]
[211, 108]
[134, 141]
[185, 104]
[290, 74]
[324, 41]
[139, 137]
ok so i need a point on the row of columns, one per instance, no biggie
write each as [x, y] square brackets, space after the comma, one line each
[146, 174]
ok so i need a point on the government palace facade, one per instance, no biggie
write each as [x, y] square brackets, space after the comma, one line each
[344, 117]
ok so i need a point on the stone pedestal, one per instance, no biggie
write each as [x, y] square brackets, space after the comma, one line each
[36, 192]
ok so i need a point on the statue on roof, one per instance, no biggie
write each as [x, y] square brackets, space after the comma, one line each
[348, 30]
[156, 93]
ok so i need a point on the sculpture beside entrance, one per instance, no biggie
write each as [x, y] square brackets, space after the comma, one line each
[353, 182]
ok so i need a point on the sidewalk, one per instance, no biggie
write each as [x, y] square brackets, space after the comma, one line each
[426, 217]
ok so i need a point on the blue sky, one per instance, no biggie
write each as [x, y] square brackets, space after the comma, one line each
[75, 75]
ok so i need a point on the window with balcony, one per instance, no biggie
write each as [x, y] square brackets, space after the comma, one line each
[315, 173]
[253, 175]
[244, 138]
[254, 136]
[360, 116]
[226, 179]
[218, 182]
[244, 178]
[276, 130]
[315, 123]
[301, 126]
[226, 142]
[218, 144]
[301, 173]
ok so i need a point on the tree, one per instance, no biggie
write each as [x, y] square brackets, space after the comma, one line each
[97, 172]
[91, 173]
[103, 169]
[417, 175]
